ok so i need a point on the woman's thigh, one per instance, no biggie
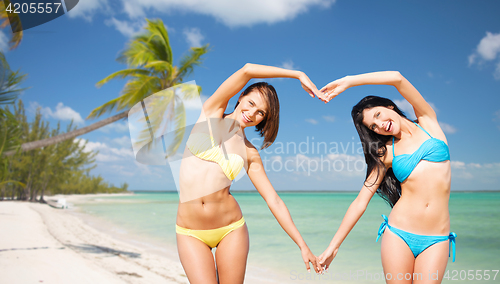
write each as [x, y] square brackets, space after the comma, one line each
[397, 259]
[197, 259]
[231, 256]
[431, 263]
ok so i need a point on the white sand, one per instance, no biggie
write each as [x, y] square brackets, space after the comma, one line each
[40, 244]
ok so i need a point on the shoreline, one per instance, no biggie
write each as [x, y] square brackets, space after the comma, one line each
[83, 248]
[255, 274]
[56, 246]
[303, 191]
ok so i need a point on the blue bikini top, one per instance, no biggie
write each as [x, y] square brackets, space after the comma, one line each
[433, 150]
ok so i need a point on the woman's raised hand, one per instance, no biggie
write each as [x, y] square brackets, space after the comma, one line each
[333, 89]
[309, 86]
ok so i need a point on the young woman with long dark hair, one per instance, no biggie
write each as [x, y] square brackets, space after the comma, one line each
[408, 164]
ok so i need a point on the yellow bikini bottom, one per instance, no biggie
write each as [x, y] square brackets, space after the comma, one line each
[211, 237]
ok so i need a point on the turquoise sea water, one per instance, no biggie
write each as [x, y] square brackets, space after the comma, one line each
[475, 218]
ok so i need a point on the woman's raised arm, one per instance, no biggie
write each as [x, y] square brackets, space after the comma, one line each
[218, 101]
[393, 78]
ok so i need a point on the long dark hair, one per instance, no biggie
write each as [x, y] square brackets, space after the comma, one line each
[374, 147]
[267, 128]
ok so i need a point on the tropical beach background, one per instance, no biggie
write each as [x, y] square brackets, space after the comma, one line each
[83, 71]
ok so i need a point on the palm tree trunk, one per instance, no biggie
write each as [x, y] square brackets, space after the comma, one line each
[69, 135]
[43, 190]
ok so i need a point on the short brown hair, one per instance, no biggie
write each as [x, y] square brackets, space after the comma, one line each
[267, 128]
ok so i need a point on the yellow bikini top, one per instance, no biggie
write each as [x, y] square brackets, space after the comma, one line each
[202, 145]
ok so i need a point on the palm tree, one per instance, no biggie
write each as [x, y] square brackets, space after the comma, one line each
[6, 19]
[10, 131]
[150, 61]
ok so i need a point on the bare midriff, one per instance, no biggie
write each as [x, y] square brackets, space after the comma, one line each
[423, 206]
[212, 211]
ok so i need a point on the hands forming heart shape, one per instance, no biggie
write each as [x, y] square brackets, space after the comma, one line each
[329, 91]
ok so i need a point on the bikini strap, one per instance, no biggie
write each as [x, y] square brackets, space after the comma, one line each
[382, 227]
[423, 129]
[452, 237]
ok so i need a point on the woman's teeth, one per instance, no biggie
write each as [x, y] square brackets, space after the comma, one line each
[246, 118]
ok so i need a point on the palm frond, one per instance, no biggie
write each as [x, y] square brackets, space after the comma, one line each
[107, 107]
[138, 89]
[137, 54]
[191, 60]
[6, 19]
[159, 66]
[9, 82]
[10, 132]
[159, 41]
[122, 74]
[134, 91]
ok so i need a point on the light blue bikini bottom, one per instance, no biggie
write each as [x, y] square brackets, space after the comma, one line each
[417, 243]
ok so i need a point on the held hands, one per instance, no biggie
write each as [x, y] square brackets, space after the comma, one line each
[309, 257]
[328, 92]
[333, 89]
[309, 86]
[327, 257]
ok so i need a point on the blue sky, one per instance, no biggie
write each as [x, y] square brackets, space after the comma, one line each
[449, 50]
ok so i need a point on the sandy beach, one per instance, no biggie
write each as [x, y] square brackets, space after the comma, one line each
[41, 244]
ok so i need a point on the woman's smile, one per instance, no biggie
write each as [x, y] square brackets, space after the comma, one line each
[246, 119]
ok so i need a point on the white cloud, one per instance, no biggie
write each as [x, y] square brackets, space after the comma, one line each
[289, 65]
[87, 8]
[276, 158]
[487, 173]
[312, 121]
[123, 141]
[472, 58]
[329, 118]
[128, 29]
[61, 112]
[193, 36]
[4, 42]
[407, 108]
[447, 128]
[489, 46]
[457, 165]
[121, 163]
[116, 126]
[487, 50]
[231, 13]
[107, 153]
[433, 106]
